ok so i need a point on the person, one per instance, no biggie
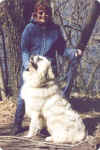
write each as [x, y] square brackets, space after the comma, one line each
[41, 36]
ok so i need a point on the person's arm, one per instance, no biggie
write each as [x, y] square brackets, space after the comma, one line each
[70, 53]
[25, 46]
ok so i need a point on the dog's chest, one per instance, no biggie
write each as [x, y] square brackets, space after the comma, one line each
[34, 103]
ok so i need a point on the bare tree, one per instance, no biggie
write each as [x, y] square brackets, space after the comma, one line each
[2, 86]
[13, 18]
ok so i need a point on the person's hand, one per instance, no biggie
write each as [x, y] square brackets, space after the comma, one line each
[78, 53]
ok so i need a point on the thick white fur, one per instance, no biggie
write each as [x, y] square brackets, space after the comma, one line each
[46, 107]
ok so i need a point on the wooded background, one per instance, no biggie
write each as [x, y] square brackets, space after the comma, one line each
[71, 15]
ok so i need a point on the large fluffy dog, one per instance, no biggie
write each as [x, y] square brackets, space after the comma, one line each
[46, 107]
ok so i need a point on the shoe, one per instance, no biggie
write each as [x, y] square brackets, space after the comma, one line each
[16, 129]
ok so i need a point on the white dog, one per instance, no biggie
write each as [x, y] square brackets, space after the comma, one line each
[46, 107]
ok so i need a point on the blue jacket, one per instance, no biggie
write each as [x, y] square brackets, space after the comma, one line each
[44, 41]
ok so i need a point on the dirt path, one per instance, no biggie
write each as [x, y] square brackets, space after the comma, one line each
[88, 112]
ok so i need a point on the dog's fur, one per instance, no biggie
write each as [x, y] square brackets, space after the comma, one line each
[46, 107]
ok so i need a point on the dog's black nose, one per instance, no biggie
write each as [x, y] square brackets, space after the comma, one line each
[27, 69]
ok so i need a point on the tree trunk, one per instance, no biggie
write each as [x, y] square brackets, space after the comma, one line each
[2, 86]
[13, 18]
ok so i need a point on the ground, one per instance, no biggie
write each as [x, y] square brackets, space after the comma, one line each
[89, 110]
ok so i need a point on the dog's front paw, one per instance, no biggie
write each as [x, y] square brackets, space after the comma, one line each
[49, 139]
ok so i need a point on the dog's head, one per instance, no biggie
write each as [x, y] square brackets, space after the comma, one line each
[39, 69]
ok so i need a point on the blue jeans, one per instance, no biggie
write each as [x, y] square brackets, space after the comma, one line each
[20, 111]
[70, 76]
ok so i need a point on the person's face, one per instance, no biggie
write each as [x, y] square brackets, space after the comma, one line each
[42, 16]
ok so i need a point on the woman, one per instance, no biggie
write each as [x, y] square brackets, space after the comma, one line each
[43, 37]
